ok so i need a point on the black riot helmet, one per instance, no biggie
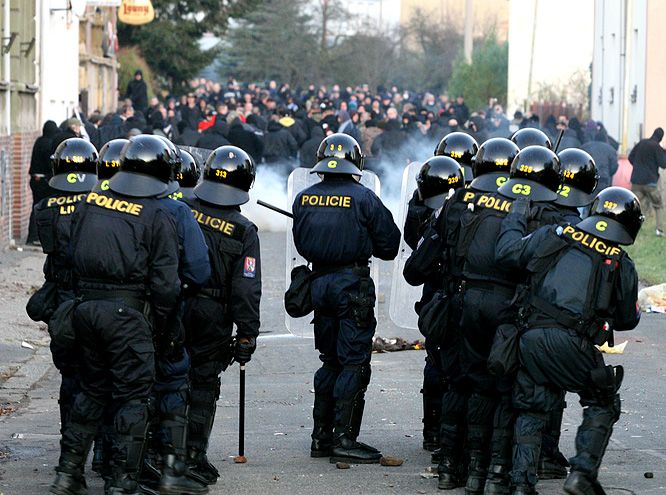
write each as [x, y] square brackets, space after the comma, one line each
[109, 158]
[530, 136]
[339, 154]
[145, 167]
[534, 174]
[578, 176]
[175, 162]
[74, 165]
[615, 215]
[492, 163]
[438, 175]
[228, 175]
[189, 170]
[462, 148]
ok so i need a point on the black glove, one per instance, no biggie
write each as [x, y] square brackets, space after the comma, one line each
[245, 346]
[521, 206]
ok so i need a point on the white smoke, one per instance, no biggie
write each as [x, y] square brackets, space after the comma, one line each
[270, 186]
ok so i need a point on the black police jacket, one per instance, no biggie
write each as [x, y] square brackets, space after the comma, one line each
[574, 276]
[235, 259]
[53, 216]
[130, 244]
[339, 221]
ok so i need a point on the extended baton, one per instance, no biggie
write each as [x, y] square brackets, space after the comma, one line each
[240, 458]
[275, 208]
[559, 140]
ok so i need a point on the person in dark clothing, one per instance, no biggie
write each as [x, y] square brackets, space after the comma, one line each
[247, 137]
[91, 125]
[562, 318]
[69, 129]
[605, 157]
[460, 110]
[388, 144]
[186, 135]
[124, 259]
[190, 113]
[338, 225]
[40, 172]
[137, 91]
[279, 143]
[308, 152]
[74, 166]
[647, 157]
[231, 297]
[215, 136]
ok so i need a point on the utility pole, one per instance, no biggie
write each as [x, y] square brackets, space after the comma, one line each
[324, 23]
[469, 28]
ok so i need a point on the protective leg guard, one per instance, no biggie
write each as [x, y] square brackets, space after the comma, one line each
[481, 410]
[203, 404]
[451, 439]
[130, 427]
[497, 481]
[323, 412]
[432, 412]
[527, 449]
[593, 436]
[552, 463]
[174, 479]
[348, 418]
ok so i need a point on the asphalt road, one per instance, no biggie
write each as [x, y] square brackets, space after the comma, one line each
[279, 408]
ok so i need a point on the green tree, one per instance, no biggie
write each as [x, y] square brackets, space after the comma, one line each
[485, 77]
[170, 43]
[278, 41]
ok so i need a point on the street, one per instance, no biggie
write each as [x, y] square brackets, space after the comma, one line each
[279, 405]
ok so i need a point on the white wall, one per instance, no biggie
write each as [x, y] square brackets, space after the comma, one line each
[562, 44]
[59, 60]
[619, 68]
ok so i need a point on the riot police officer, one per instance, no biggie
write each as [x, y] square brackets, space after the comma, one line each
[530, 136]
[437, 177]
[73, 164]
[108, 163]
[171, 390]
[338, 225]
[187, 177]
[462, 148]
[578, 180]
[125, 265]
[563, 317]
[231, 296]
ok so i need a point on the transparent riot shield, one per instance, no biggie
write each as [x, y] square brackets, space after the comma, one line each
[300, 179]
[403, 295]
[200, 154]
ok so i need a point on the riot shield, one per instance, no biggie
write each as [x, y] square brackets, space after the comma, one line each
[300, 179]
[403, 295]
[200, 154]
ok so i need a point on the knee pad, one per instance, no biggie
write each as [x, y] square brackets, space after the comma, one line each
[605, 383]
[325, 377]
[132, 418]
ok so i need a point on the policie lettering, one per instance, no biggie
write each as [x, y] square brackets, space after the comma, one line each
[326, 201]
[66, 204]
[114, 204]
[590, 242]
[223, 226]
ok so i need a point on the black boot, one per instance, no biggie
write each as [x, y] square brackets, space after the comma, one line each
[478, 471]
[175, 482]
[449, 473]
[579, 483]
[67, 483]
[348, 418]
[553, 468]
[200, 469]
[497, 482]
[347, 450]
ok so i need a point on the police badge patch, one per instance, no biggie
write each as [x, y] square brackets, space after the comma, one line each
[250, 267]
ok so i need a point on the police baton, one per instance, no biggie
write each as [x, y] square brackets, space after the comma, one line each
[240, 458]
[275, 208]
[559, 140]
